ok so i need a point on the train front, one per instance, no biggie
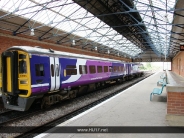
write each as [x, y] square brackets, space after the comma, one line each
[16, 81]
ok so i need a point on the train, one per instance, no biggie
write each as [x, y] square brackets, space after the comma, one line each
[46, 76]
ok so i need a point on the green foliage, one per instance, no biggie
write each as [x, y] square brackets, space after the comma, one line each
[149, 66]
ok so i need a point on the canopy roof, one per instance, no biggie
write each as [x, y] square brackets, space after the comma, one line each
[126, 28]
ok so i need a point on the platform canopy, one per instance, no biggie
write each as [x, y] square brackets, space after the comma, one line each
[136, 29]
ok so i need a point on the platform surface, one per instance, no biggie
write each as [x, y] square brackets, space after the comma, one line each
[132, 107]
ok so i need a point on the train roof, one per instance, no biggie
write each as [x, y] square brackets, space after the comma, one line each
[39, 50]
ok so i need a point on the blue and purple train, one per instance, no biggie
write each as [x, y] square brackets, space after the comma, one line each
[34, 74]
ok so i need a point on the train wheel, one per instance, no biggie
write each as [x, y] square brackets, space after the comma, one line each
[43, 104]
[73, 94]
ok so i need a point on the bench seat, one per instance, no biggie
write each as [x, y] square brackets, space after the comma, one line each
[157, 91]
[160, 82]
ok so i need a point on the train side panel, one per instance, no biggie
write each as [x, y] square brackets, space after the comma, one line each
[87, 72]
[40, 74]
[118, 70]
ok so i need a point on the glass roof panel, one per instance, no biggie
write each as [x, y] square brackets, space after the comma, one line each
[70, 17]
[157, 19]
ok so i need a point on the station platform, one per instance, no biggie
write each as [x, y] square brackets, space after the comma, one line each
[131, 107]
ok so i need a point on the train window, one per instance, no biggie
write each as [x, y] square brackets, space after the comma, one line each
[52, 70]
[57, 70]
[105, 68]
[92, 69]
[83, 69]
[115, 69]
[71, 70]
[119, 68]
[70, 66]
[22, 56]
[99, 69]
[110, 68]
[122, 69]
[22, 67]
[39, 68]
[136, 67]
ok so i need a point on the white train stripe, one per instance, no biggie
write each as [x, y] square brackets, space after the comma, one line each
[39, 85]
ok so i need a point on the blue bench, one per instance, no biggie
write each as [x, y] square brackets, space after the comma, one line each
[162, 80]
[157, 91]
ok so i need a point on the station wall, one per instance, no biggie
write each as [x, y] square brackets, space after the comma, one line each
[178, 64]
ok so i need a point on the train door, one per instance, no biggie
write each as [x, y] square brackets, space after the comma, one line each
[54, 73]
[127, 66]
[10, 72]
[124, 69]
[16, 73]
[131, 68]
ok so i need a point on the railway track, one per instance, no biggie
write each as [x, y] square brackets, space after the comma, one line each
[4, 110]
[9, 116]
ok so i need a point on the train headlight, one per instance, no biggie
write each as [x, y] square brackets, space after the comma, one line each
[23, 82]
[7, 102]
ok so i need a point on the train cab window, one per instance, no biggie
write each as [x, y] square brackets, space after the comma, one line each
[22, 66]
[99, 69]
[110, 68]
[22, 56]
[92, 69]
[105, 68]
[83, 69]
[71, 70]
[39, 69]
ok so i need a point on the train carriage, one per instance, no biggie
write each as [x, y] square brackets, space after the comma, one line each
[33, 74]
